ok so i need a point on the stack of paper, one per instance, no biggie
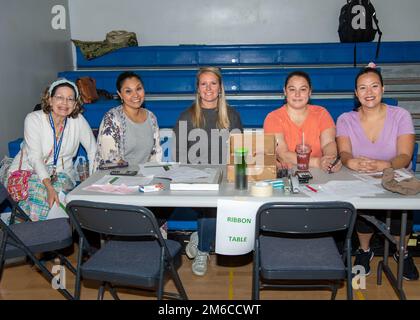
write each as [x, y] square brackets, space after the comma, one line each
[193, 179]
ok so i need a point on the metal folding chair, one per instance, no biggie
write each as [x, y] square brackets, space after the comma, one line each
[28, 239]
[134, 254]
[294, 246]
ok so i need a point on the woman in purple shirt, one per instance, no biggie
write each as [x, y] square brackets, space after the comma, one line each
[372, 138]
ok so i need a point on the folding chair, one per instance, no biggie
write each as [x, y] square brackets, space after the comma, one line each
[135, 254]
[293, 244]
[29, 238]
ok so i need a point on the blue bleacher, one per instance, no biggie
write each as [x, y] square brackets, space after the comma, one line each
[241, 81]
[243, 55]
[253, 112]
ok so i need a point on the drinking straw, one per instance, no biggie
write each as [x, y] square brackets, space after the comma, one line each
[303, 138]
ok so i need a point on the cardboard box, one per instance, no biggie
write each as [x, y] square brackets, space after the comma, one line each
[255, 142]
[261, 158]
[255, 173]
[258, 159]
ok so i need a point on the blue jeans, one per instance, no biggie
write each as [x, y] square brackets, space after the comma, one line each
[206, 229]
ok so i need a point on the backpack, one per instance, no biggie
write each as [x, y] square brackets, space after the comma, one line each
[87, 88]
[356, 23]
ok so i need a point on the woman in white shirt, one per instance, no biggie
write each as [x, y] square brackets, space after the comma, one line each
[51, 139]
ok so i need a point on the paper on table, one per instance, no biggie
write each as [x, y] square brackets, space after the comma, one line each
[175, 172]
[376, 177]
[123, 180]
[157, 168]
[371, 178]
[118, 184]
[188, 174]
[340, 190]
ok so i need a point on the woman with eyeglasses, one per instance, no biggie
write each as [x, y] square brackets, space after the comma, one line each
[52, 137]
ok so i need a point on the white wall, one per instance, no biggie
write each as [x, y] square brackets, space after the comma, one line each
[32, 53]
[171, 22]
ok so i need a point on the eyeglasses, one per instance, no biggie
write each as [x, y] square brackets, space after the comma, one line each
[62, 99]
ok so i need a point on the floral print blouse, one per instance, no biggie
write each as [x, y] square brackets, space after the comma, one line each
[111, 138]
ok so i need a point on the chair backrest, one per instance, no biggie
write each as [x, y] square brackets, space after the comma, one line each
[113, 219]
[305, 217]
[414, 158]
[4, 195]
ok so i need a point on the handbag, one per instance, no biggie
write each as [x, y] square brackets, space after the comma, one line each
[17, 183]
[87, 88]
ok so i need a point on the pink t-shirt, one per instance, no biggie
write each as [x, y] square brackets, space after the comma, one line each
[397, 122]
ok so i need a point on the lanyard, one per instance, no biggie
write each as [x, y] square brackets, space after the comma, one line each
[57, 146]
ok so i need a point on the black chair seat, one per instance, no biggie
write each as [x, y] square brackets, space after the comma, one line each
[129, 263]
[295, 248]
[28, 238]
[40, 236]
[134, 255]
[290, 258]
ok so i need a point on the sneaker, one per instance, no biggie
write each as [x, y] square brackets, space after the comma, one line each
[164, 230]
[191, 248]
[363, 259]
[199, 266]
[410, 271]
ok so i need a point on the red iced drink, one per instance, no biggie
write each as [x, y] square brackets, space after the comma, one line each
[303, 154]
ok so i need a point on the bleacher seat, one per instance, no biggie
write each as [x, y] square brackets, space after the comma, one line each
[251, 55]
[238, 81]
[253, 112]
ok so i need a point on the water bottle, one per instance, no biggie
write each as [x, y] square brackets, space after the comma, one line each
[241, 179]
[82, 170]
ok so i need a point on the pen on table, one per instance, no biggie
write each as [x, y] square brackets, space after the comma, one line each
[164, 178]
[334, 163]
[311, 188]
[166, 167]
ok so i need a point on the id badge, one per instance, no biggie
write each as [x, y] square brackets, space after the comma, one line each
[53, 176]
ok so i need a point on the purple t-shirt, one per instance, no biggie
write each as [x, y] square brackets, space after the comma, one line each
[397, 122]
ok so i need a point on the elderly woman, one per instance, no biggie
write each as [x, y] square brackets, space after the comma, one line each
[129, 132]
[209, 119]
[297, 118]
[372, 138]
[51, 139]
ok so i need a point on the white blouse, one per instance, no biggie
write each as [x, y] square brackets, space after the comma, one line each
[39, 142]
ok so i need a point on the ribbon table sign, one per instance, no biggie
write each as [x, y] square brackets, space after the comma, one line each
[235, 228]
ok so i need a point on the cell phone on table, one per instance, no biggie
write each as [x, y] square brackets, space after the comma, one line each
[123, 173]
[113, 165]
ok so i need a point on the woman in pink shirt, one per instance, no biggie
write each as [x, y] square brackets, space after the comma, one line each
[372, 138]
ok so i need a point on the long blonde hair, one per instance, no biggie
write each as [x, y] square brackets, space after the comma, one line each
[222, 106]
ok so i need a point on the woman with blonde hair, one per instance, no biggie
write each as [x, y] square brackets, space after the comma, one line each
[201, 134]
